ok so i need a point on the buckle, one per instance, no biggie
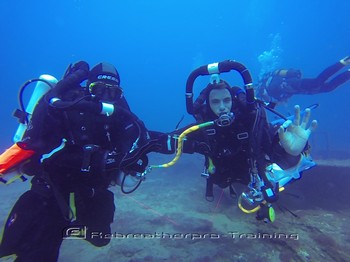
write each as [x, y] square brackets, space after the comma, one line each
[242, 136]
[211, 132]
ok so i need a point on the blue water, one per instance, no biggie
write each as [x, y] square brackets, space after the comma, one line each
[156, 44]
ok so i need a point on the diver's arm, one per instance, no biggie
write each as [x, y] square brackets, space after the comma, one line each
[46, 129]
[167, 143]
[281, 157]
[40, 138]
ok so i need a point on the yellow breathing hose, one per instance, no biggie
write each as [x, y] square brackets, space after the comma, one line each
[179, 152]
[180, 143]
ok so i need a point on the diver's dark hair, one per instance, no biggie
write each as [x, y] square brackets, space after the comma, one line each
[221, 85]
[203, 96]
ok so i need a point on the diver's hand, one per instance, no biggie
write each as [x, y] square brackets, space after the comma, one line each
[293, 136]
[77, 72]
[74, 75]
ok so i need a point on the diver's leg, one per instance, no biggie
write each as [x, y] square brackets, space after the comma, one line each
[33, 230]
[331, 70]
[209, 195]
[336, 81]
[310, 86]
[233, 192]
[96, 212]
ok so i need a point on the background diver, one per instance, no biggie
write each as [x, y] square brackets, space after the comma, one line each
[279, 85]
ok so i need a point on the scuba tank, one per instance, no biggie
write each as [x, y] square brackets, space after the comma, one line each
[15, 155]
[287, 73]
[43, 85]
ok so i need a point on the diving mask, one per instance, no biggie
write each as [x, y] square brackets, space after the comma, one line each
[105, 90]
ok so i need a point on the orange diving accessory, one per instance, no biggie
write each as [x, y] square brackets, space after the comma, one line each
[12, 157]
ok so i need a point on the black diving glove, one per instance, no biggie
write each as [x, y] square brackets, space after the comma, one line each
[73, 76]
[77, 72]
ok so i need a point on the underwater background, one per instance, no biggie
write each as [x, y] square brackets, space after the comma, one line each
[155, 45]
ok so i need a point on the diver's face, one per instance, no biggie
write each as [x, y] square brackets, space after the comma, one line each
[220, 101]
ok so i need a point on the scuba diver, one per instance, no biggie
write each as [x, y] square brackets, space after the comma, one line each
[78, 141]
[238, 143]
[279, 85]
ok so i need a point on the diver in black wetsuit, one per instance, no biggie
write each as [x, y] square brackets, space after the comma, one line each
[79, 141]
[280, 85]
[238, 140]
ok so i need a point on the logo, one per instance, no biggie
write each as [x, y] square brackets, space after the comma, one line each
[75, 232]
[106, 77]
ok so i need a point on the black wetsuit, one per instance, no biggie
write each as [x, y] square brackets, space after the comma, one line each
[282, 84]
[41, 218]
[233, 148]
